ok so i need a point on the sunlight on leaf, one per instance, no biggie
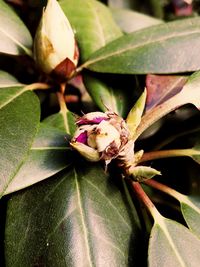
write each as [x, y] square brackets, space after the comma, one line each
[15, 37]
[130, 21]
[164, 48]
[76, 220]
[191, 90]
[19, 120]
[190, 207]
[49, 154]
[7, 80]
[172, 244]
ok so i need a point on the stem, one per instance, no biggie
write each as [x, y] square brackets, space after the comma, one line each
[79, 69]
[62, 88]
[37, 86]
[166, 189]
[63, 109]
[173, 193]
[146, 200]
[168, 153]
[61, 101]
[158, 112]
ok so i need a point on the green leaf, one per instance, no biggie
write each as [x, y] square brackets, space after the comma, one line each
[190, 207]
[134, 117]
[63, 120]
[15, 37]
[7, 80]
[143, 173]
[108, 96]
[78, 218]
[191, 93]
[172, 244]
[19, 119]
[93, 24]
[49, 154]
[130, 21]
[164, 48]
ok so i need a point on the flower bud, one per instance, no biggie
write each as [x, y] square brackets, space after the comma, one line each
[55, 48]
[105, 134]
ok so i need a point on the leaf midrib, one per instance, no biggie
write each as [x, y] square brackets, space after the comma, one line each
[108, 201]
[26, 50]
[20, 92]
[85, 232]
[140, 45]
[96, 16]
[163, 226]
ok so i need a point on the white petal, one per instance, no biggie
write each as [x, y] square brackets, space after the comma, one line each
[107, 134]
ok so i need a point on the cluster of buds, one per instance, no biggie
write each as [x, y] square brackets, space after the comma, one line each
[106, 136]
[55, 48]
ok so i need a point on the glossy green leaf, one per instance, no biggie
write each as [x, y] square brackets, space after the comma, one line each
[134, 117]
[15, 37]
[7, 80]
[130, 21]
[64, 121]
[78, 218]
[172, 244]
[19, 119]
[49, 154]
[93, 24]
[190, 207]
[166, 48]
[108, 95]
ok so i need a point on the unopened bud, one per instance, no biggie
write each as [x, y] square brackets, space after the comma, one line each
[55, 48]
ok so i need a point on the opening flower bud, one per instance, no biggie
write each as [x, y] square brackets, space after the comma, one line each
[55, 48]
[103, 133]
[106, 136]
